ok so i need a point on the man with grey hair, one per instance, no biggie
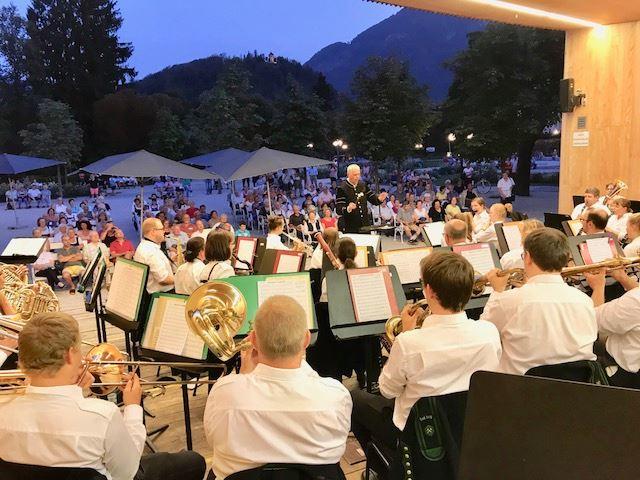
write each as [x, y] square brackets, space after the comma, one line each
[351, 200]
[277, 409]
[455, 232]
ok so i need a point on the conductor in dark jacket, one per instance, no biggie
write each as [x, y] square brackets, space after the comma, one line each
[351, 200]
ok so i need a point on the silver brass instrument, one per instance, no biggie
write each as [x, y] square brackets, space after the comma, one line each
[215, 312]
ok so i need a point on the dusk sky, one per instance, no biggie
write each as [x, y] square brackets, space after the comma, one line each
[166, 32]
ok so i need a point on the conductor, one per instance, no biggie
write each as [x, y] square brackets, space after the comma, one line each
[351, 200]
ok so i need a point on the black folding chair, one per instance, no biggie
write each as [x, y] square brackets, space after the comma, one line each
[9, 470]
[289, 471]
[429, 446]
[583, 371]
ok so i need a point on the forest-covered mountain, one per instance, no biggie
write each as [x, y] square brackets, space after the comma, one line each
[424, 39]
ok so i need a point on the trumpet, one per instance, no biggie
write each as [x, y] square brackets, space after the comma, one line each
[393, 326]
[572, 273]
[516, 279]
[299, 245]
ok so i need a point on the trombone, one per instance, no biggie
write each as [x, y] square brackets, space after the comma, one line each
[617, 263]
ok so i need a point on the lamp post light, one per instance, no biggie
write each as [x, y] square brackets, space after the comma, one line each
[470, 136]
[450, 138]
[418, 146]
[310, 145]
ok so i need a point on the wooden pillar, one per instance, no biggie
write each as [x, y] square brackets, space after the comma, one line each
[605, 63]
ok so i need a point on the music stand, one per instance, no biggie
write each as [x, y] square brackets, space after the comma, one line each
[270, 259]
[572, 228]
[430, 232]
[259, 253]
[503, 239]
[554, 220]
[88, 272]
[93, 300]
[23, 251]
[535, 428]
[575, 242]
[577, 200]
[255, 241]
[362, 240]
[476, 303]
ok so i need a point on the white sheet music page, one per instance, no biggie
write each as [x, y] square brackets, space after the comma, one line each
[407, 263]
[124, 292]
[362, 257]
[512, 236]
[24, 246]
[479, 256]
[296, 287]
[288, 263]
[435, 232]
[599, 249]
[370, 296]
[172, 336]
[245, 252]
[364, 240]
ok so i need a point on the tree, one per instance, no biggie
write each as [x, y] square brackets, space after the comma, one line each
[73, 51]
[299, 121]
[390, 112]
[505, 92]
[13, 39]
[167, 137]
[56, 135]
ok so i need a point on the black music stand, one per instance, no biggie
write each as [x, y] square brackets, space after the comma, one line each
[478, 303]
[93, 301]
[342, 319]
[261, 243]
[554, 220]
[88, 272]
[534, 428]
[502, 239]
[430, 242]
[568, 230]
[577, 200]
[575, 242]
[22, 258]
[268, 261]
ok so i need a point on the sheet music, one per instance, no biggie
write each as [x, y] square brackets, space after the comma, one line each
[288, 263]
[24, 246]
[407, 262]
[55, 246]
[125, 292]
[172, 336]
[295, 287]
[194, 346]
[599, 249]
[245, 252]
[362, 257]
[575, 226]
[512, 235]
[479, 257]
[435, 232]
[363, 240]
[370, 296]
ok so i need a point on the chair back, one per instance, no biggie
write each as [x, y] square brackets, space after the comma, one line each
[20, 470]
[429, 445]
[290, 471]
[583, 371]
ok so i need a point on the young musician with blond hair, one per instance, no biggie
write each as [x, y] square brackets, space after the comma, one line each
[275, 225]
[481, 219]
[513, 258]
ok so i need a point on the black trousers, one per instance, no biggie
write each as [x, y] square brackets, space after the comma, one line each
[372, 417]
[184, 465]
[50, 274]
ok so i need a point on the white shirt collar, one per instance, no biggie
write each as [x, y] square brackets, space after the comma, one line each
[265, 371]
[150, 243]
[71, 391]
[546, 278]
[433, 320]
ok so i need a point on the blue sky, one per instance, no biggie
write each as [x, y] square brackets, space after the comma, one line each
[166, 32]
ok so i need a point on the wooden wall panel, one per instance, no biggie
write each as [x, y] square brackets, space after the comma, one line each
[605, 64]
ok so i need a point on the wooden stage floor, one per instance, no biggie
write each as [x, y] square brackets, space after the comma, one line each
[167, 408]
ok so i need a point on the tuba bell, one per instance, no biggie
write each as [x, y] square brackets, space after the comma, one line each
[216, 312]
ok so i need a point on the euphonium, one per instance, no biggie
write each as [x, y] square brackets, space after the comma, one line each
[393, 326]
[215, 312]
[14, 274]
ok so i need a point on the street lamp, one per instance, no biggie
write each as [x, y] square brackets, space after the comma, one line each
[345, 146]
[337, 143]
[450, 138]
[310, 145]
[470, 136]
[555, 132]
[418, 146]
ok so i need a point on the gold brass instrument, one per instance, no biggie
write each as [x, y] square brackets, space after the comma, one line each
[31, 299]
[393, 326]
[573, 273]
[179, 254]
[215, 312]
[516, 279]
[299, 245]
[618, 186]
[14, 274]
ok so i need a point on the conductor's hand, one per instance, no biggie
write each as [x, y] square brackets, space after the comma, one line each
[132, 391]
[383, 196]
[248, 360]
[596, 280]
[498, 283]
[351, 207]
[409, 321]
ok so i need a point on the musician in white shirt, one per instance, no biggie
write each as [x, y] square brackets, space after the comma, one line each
[633, 234]
[513, 258]
[160, 277]
[435, 359]
[481, 220]
[591, 199]
[621, 211]
[188, 274]
[217, 252]
[619, 327]
[277, 410]
[276, 227]
[497, 214]
[545, 322]
[455, 233]
[53, 425]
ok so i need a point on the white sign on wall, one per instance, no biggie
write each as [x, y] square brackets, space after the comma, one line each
[581, 139]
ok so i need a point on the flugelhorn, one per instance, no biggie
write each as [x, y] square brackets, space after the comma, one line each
[216, 312]
[393, 326]
[516, 279]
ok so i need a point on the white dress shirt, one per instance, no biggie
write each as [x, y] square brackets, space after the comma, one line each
[505, 187]
[316, 258]
[58, 427]
[149, 253]
[188, 276]
[618, 225]
[274, 415]
[619, 323]
[512, 259]
[215, 270]
[437, 359]
[274, 242]
[487, 236]
[581, 208]
[481, 221]
[633, 249]
[544, 322]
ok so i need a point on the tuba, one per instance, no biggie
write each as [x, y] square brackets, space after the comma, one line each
[30, 300]
[14, 274]
[216, 312]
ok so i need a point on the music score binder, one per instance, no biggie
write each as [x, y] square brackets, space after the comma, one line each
[407, 262]
[128, 285]
[363, 240]
[99, 272]
[342, 317]
[509, 236]
[88, 271]
[274, 260]
[23, 250]
[576, 248]
[433, 233]
[572, 228]
[245, 249]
